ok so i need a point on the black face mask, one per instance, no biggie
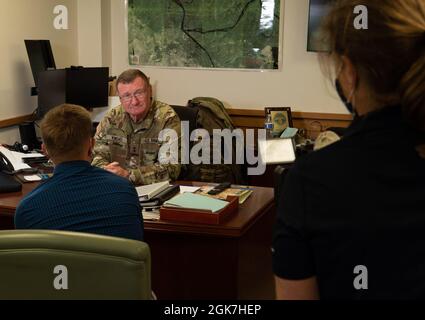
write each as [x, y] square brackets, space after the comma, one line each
[343, 98]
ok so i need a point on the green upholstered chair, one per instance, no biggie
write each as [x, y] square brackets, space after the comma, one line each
[97, 267]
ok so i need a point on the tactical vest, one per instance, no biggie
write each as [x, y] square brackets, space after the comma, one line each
[211, 114]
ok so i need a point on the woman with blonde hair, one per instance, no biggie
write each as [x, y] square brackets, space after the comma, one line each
[351, 219]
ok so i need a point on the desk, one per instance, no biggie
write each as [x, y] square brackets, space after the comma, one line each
[196, 261]
[8, 204]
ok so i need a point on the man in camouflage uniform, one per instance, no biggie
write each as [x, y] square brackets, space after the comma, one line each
[127, 141]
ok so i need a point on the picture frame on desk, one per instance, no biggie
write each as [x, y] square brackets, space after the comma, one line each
[281, 118]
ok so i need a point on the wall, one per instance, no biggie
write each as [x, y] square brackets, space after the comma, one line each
[89, 22]
[106, 34]
[97, 36]
[299, 84]
[29, 19]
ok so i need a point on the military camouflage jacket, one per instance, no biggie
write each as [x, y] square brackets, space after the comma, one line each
[135, 145]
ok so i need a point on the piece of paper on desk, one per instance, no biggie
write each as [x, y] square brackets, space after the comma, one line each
[195, 201]
[31, 155]
[184, 189]
[32, 178]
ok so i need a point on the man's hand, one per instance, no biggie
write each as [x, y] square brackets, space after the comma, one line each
[115, 168]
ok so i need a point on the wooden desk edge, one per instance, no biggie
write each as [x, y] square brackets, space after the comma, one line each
[205, 229]
[170, 226]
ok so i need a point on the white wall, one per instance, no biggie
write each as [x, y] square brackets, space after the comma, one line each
[29, 19]
[97, 36]
[89, 33]
[299, 84]
[106, 34]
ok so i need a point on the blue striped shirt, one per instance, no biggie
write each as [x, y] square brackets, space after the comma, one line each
[79, 197]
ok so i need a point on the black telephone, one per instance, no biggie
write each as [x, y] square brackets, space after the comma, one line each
[7, 182]
[7, 167]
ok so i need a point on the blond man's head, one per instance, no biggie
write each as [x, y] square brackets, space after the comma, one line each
[67, 133]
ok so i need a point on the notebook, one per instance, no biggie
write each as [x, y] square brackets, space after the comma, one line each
[195, 201]
[161, 197]
[149, 191]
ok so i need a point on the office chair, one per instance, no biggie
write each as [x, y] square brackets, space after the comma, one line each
[193, 171]
[187, 114]
[47, 264]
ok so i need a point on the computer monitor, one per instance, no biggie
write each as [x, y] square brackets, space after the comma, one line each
[318, 10]
[40, 56]
[87, 87]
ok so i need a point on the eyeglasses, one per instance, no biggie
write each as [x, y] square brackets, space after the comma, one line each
[139, 94]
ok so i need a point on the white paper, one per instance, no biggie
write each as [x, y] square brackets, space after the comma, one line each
[33, 177]
[277, 151]
[188, 189]
[31, 155]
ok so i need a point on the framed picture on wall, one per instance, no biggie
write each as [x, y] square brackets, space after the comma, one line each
[281, 118]
[215, 34]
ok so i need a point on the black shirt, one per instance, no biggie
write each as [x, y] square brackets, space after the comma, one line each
[357, 202]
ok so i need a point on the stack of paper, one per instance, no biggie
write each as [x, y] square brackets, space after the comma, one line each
[150, 214]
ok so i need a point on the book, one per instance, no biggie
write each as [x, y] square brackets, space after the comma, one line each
[241, 192]
[192, 214]
[161, 197]
[195, 201]
[149, 191]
